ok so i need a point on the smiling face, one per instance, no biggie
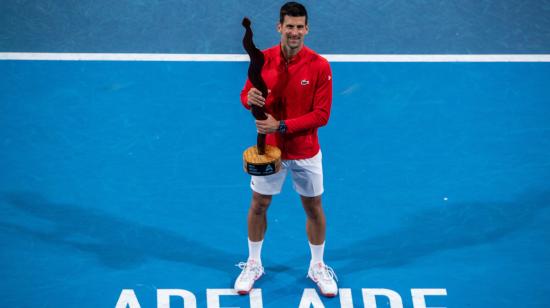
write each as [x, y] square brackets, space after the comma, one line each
[293, 30]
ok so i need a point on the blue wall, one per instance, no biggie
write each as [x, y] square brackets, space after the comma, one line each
[365, 27]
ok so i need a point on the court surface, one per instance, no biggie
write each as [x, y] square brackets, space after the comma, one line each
[126, 175]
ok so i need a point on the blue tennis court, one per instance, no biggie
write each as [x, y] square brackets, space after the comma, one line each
[122, 182]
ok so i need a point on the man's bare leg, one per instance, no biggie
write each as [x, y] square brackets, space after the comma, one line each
[316, 221]
[257, 216]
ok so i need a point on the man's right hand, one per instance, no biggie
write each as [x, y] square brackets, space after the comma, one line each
[255, 98]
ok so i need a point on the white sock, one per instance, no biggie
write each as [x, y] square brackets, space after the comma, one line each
[316, 253]
[255, 250]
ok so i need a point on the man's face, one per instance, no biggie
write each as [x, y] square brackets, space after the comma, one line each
[293, 30]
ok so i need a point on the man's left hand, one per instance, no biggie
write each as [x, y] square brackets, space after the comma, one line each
[268, 125]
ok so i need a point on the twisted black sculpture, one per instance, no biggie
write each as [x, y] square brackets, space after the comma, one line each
[255, 77]
[262, 159]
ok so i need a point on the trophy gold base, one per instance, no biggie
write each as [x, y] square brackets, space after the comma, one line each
[262, 165]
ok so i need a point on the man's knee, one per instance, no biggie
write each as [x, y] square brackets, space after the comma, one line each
[260, 203]
[313, 206]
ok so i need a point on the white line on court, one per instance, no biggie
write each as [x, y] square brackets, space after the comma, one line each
[243, 57]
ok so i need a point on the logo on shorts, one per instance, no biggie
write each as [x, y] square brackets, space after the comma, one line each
[305, 82]
[268, 168]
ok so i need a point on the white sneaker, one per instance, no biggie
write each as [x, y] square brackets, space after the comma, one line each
[251, 271]
[324, 277]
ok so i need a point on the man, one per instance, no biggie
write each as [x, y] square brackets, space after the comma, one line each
[298, 103]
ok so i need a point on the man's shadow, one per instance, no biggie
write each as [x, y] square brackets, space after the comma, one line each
[118, 243]
[440, 229]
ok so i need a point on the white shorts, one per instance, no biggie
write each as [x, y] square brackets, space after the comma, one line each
[307, 177]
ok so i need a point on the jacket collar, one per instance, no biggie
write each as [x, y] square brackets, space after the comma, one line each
[296, 57]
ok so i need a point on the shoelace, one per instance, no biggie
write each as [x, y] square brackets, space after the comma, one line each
[250, 272]
[326, 273]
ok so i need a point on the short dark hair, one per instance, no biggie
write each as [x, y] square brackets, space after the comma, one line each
[293, 9]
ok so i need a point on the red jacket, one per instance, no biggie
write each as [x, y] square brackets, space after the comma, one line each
[301, 94]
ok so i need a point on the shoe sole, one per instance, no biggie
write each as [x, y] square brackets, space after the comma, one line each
[320, 291]
[328, 294]
[244, 292]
